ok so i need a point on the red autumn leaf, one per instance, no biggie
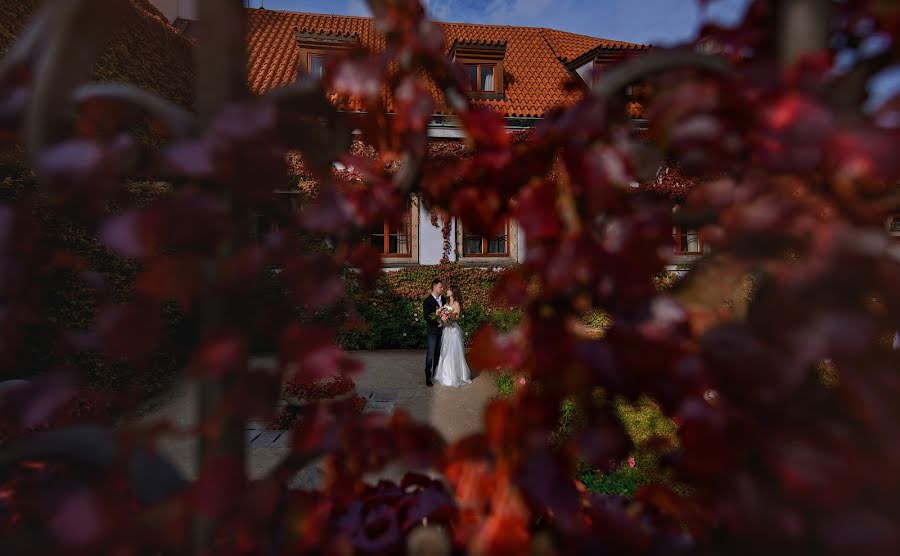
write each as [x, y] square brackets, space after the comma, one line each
[492, 351]
[486, 129]
[547, 485]
[794, 131]
[129, 331]
[501, 424]
[538, 213]
[222, 353]
[308, 353]
[357, 77]
[368, 260]
[171, 277]
[313, 281]
[414, 106]
[684, 510]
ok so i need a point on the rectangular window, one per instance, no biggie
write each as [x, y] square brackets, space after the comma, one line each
[894, 225]
[495, 245]
[316, 65]
[481, 77]
[687, 242]
[391, 240]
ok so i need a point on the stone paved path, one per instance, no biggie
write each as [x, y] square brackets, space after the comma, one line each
[391, 380]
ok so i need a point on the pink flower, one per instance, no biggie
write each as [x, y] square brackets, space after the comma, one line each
[630, 461]
[522, 381]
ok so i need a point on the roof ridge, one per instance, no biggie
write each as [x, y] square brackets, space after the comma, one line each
[268, 10]
[500, 25]
[328, 32]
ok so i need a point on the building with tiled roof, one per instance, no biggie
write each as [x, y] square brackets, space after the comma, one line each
[520, 72]
[145, 50]
[536, 63]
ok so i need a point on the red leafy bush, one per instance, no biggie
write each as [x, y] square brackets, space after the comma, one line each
[320, 390]
[289, 417]
[789, 178]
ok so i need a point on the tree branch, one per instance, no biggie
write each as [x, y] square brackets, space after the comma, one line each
[655, 62]
[77, 32]
[802, 28]
[177, 120]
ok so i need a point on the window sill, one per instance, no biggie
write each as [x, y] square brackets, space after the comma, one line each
[399, 261]
[475, 95]
[686, 258]
[487, 261]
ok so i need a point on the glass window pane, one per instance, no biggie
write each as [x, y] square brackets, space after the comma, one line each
[497, 245]
[377, 241]
[316, 65]
[688, 242]
[487, 78]
[472, 73]
[472, 245]
[398, 244]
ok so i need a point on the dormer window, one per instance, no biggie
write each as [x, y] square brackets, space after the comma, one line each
[483, 63]
[316, 46]
[481, 77]
[315, 64]
[893, 225]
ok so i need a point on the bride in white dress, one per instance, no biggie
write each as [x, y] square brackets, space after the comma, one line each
[452, 368]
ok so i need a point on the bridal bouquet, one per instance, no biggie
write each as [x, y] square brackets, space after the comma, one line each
[443, 313]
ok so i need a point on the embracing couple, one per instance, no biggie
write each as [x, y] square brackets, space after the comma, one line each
[445, 362]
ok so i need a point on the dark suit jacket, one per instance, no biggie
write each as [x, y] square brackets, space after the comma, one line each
[429, 307]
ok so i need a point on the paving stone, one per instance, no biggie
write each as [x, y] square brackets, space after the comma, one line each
[379, 407]
[384, 397]
[267, 438]
[391, 380]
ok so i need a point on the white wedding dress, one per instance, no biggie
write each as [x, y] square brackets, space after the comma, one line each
[452, 369]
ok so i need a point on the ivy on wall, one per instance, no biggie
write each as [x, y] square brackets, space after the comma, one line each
[446, 224]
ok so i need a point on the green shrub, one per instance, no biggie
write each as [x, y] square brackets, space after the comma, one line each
[391, 313]
[622, 481]
[505, 320]
[400, 324]
[505, 383]
[643, 423]
[597, 319]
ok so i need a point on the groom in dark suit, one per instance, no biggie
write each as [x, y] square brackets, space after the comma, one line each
[433, 337]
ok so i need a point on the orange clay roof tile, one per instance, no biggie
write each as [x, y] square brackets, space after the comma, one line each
[534, 63]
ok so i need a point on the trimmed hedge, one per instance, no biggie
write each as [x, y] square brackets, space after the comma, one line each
[390, 316]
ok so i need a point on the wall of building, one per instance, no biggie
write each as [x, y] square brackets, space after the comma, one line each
[431, 240]
[174, 9]
[585, 72]
[169, 8]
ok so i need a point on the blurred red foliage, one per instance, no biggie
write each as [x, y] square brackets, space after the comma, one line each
[788, 176]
